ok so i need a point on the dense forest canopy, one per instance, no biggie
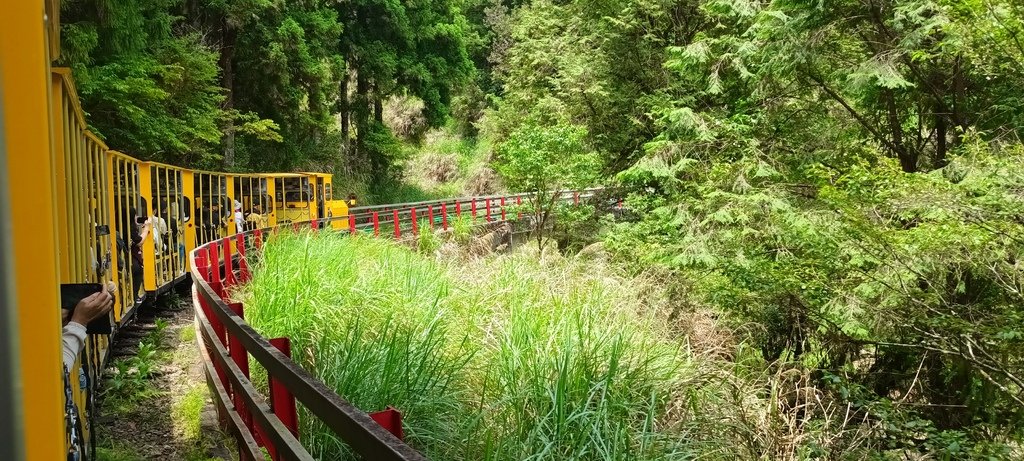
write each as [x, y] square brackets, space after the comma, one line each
[837, 182]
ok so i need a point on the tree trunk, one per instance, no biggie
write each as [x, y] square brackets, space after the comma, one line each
[227, 55]
[194, 15]
[908, 159]
[378, 108]
[344, 109]
[941, 129]
[959, 115]
[361, 111]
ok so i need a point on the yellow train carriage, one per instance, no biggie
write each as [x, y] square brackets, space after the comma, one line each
[254, 198]
[167, 193]
[212, 206]
[32, 399]
[293, 197]
[84, 227]
[300, 197]
[125, 199]
[327, 205]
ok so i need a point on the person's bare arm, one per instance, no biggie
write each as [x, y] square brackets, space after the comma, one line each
[145, 231]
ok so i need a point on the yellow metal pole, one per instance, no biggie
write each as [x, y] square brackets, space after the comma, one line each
[188, 191]
[25, 86]
[148, 246]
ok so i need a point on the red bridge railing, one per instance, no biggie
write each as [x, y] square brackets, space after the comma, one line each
[228, 342]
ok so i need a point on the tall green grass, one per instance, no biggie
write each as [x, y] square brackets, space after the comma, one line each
[503, 358]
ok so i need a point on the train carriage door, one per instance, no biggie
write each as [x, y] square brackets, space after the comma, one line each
[272, 203]
[318, 193]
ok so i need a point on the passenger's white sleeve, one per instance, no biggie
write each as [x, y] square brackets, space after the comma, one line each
[73, 339]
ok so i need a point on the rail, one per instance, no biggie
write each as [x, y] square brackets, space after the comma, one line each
[227, 342]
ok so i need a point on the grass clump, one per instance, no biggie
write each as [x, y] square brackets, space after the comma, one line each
[186, 412]
[117, 452]
[501, 358]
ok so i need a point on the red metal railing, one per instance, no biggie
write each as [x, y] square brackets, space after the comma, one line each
[228, 342]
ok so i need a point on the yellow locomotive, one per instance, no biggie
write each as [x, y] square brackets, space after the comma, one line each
[80, 208]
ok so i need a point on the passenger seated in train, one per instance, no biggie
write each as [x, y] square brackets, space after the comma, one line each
[239, 218]
[174, 238]
[255, 220]
[159, 228]
[138, 231]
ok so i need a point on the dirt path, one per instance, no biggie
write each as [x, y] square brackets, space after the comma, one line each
[154, 402]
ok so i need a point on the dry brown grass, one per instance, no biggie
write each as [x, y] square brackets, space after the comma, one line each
[483, 181]
[404, 116]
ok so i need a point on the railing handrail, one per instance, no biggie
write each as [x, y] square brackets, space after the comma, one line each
[408, 205]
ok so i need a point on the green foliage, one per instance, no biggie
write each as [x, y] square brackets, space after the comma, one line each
[596, 64]
[287, 65]
[117, 453]
[544, 161]
[462, 228]
[766, 147]
[160, 103]
[915, 272]
[129, 382]
[427, 240]
[187, 413]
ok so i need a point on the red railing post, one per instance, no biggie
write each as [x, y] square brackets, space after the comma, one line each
[282, 402]
[503, 215]
[214, 268]
[474, 207]
[295, 226]
[201, 262]
[519, 203]
[258, 239]
[458, 209]
[390, 419]
[229, 264]
[576, 198]
[243, 264]
[376, 224]
[241, 359]
[218, 329]
[398, 227]
[444, 216]
[352, 224]
[313, 224]
[430, 216]
[487, 209]
[415, 222]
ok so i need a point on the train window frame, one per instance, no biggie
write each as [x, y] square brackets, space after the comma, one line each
[186, 209]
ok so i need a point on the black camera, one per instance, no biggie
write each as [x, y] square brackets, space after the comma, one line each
[72, 293]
